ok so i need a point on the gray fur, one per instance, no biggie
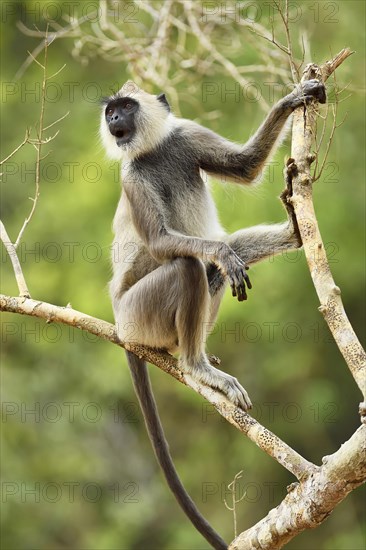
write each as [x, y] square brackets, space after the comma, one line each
[172, 259]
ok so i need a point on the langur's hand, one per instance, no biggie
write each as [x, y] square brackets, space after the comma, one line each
[234, 268]
[305, 92]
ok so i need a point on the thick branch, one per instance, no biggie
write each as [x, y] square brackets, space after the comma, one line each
[312, 501]
[262, 437]
[329, 294]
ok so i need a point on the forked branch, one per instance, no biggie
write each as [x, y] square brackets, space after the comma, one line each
[328, 292]
[310, 502]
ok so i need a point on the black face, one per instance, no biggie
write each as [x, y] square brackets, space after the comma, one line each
[120, 117]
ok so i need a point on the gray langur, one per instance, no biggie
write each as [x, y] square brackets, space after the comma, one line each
[172, 259]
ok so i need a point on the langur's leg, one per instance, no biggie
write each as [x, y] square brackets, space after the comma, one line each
[262, 241]
[170, 308]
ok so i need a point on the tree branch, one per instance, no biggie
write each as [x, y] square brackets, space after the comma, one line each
[309, 503]
[329, 294]
[263, 438]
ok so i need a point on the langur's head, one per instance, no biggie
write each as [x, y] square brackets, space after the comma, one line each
[134, 122]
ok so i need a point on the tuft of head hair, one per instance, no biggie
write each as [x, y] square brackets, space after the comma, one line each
[153, 122]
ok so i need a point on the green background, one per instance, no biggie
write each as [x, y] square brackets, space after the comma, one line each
[77, 468]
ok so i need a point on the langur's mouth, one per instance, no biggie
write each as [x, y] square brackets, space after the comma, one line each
[122, 137]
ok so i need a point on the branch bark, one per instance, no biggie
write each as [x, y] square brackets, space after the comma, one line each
[309, 503]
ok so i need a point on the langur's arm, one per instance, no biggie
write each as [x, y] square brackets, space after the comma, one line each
[243, 163]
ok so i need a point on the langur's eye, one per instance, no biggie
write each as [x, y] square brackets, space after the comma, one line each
[129, 106]
[110, 111]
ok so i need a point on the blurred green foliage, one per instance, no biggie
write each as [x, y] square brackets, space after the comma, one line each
[77, 468]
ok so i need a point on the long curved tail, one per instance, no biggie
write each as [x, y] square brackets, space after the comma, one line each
[141, 382]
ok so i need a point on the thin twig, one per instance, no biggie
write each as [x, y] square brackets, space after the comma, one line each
[208, 45]
[318, 172]
[25, 140]
[39, 143]
[10, 248]
[53, 123]
[56, 73]
[232, 488]
[285, 21]
[319, 141]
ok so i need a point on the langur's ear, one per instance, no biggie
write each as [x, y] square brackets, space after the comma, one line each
[162, 98]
